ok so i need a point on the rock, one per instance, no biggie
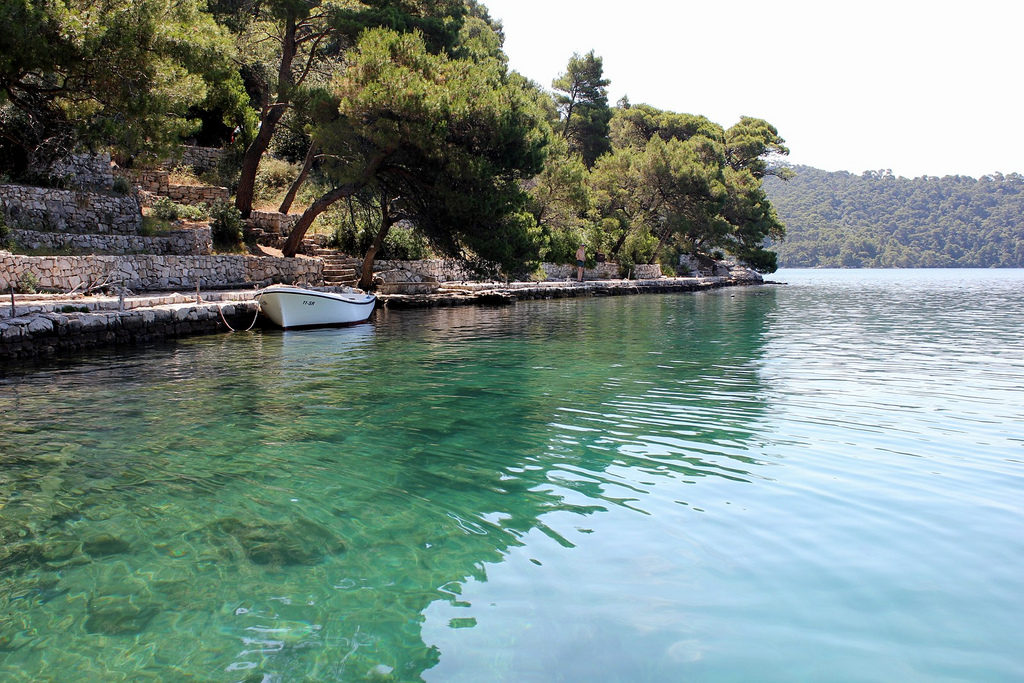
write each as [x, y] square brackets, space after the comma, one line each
[102, 545]
[116, 615]
[293, 543]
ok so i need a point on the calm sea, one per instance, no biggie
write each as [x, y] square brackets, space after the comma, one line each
[822, 480]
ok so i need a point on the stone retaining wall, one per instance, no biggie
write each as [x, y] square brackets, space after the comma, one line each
[70, 211]
[428, 270]
[197, 194]
[561, 271]
[646, 271]
[150, 180]
[192, 242]
[437, 270]
[273, 221]
[86, 171]
[157, 182]
[144, 272]
[201, 158]
[45, 334]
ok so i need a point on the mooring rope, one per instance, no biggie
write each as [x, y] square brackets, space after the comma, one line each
[220, 309]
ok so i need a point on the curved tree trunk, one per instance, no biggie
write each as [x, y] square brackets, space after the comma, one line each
[291, 245]
[307, 163]
[268, 123]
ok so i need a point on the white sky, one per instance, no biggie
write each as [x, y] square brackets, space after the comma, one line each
[922, 87]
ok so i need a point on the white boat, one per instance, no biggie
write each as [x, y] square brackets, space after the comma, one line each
[291, 306]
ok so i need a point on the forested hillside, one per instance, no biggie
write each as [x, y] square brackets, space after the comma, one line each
[877, 220]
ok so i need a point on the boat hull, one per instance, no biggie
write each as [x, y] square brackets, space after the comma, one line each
[297, 307]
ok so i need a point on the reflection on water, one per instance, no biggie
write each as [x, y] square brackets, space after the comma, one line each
[653, 487]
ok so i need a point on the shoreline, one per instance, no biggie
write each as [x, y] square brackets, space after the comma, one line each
[45, 326]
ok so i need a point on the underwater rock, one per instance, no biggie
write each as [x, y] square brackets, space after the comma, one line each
[60, 549]
[24, 554]
[292, 543]
[116, 615]
[101, 545]
[14, 632]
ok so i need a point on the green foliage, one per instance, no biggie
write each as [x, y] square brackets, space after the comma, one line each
[635, 125]
[559, 198]
[581, 94]
[226, 226]
[878, 220]
[309, 38]
[752, 144]
[638, 247]
[404, 244]
[670, 178]
[353, 233]
[561, 246]
[166, 209]
[447, 141]
[274, 177]
[122, 186]
[27, 283]
[121, 73]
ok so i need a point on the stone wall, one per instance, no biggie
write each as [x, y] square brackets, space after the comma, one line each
[145, 272]
[561, 271]
[704, 266]
[201, 158]
[273, 221]
[44, 334]
[438, 270]
[87, 171]
[197, 194]
[193, 242]
[157, 182]
[645, 271]
[428, 270]
[34, 208]
[150, 180]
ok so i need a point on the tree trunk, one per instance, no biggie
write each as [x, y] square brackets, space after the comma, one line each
[291, 245]
[366, 275]
[268, 123]
[307, 163]
[665, 232]
[619, 243]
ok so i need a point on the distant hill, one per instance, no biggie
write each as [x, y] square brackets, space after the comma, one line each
[877, 220]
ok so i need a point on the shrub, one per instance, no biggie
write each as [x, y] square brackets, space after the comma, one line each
[28, 283]
[274, 177]
[183, 175]
[638, 248]
[5, 234]
[226, 225]
[198, 212]
[562, 246]
[122, 186]
[403, 244]
[166, 209]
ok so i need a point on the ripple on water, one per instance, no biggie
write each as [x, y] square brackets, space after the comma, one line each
[756, 484]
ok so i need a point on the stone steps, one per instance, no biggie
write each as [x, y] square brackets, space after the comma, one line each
[339, 269]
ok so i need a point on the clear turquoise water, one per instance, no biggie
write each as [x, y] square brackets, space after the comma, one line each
[821, 481]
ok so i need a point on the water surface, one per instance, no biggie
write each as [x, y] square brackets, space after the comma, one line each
[821, 480]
